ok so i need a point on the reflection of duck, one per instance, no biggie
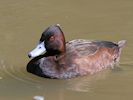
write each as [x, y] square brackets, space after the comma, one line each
[74, 58]
[87, 84]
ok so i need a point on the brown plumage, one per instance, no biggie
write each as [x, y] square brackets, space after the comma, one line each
[74, 58]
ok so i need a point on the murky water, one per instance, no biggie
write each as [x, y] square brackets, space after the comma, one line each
[21, 24]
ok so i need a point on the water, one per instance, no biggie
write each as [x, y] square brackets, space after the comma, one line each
[21, 24]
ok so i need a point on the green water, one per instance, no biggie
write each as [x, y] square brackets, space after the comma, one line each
[21, 25]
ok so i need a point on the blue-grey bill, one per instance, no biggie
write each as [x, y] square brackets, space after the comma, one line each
[39, 50]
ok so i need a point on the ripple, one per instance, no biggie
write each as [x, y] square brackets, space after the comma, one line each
[19, 74]
[86, 83]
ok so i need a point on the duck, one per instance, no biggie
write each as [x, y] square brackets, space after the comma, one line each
[55, 58]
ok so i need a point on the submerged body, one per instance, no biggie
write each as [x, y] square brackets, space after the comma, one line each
[76, 58]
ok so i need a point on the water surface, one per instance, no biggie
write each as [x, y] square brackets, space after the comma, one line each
[21, 24]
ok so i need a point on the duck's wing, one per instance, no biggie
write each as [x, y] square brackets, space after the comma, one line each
[81, 47]
[88, 47]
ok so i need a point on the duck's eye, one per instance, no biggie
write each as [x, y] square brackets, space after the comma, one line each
[52, 38]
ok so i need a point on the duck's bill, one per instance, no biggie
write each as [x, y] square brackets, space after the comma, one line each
[39, 50]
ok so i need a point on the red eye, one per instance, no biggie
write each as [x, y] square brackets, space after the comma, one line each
[51, 38]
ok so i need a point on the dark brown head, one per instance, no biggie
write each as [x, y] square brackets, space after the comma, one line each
[52, 42]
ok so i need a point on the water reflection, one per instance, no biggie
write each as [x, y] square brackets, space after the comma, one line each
[85, 84]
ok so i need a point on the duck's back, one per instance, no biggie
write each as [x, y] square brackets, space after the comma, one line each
[83, 47]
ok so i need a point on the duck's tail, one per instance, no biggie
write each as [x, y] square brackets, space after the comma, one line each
[117, 52]
[121, 43]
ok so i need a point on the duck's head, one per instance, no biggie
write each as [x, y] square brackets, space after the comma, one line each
[51, 42]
